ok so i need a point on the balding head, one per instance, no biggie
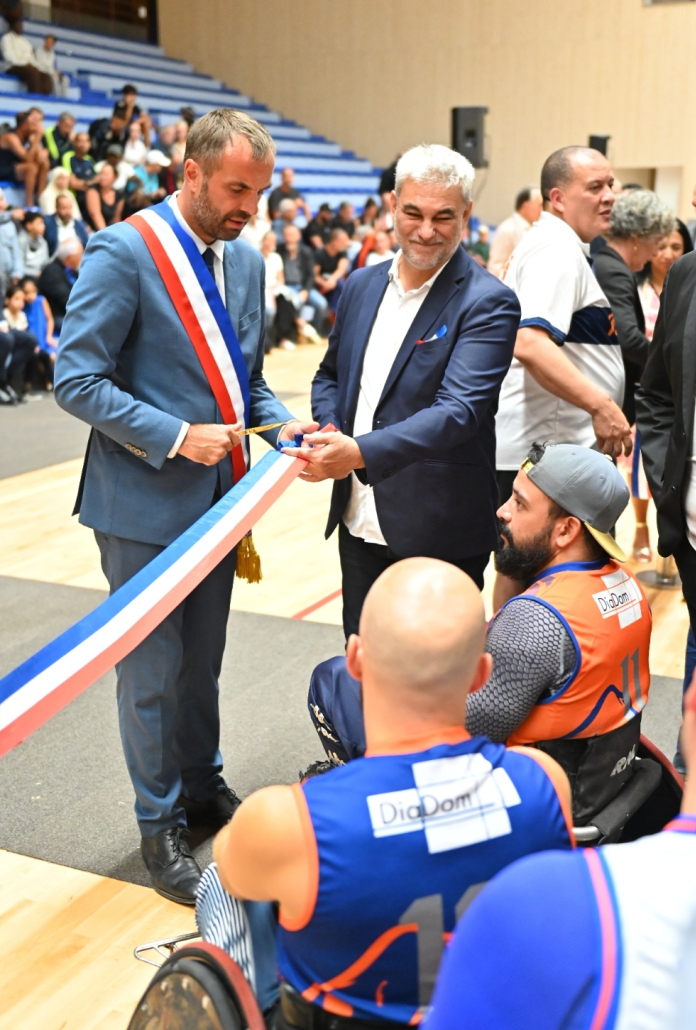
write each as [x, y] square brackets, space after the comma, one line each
[422, 629]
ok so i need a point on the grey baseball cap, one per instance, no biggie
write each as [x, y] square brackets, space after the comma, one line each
[587, 484]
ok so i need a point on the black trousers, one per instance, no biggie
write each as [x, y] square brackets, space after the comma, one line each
[16, 349]
[362, 564]
[505, 478]
[685, 557]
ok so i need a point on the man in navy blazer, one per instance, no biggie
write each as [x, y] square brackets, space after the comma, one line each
[158, 459]
[411, 380]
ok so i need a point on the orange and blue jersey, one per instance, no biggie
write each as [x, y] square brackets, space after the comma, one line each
[595, 940]
[401, 843]
[604, 610]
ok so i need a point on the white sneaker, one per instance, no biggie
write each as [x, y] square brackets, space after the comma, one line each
[287, 345]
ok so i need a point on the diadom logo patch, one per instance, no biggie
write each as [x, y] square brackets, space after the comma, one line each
[622, 598]
[456, 801]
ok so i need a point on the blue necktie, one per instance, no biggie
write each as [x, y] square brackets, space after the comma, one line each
[209, 258]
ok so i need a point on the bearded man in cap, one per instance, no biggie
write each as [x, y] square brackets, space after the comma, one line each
[570, 653]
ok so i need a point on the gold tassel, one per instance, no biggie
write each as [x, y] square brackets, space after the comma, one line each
[248, 561]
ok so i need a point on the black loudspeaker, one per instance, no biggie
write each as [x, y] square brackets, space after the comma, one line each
[468, 134]
[599, 143]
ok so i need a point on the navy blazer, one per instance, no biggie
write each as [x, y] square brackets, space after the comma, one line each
[431, 454]
[127, 367]
[51, 234]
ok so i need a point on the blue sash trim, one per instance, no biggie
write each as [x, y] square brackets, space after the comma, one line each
[212, 295]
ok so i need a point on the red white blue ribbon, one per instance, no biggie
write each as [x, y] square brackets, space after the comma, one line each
[198, 303]
[50, 679]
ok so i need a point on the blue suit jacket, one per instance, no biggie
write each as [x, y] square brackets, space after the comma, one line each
[126, 366]
[431, 455]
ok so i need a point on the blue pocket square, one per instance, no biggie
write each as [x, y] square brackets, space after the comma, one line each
[438, 335]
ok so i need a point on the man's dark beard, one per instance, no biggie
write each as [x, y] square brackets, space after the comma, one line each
[212, 221]
[522, 563]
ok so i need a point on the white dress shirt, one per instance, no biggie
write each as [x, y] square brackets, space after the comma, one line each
[17, 51]
[394, 319]
[218, 248]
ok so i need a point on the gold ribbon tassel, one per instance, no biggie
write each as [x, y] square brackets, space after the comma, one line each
[248, 561]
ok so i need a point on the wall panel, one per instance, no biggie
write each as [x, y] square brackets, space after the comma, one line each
[379, 75]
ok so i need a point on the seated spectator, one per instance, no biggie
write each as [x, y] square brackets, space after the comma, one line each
[114, 157]
[178, 147]
[255, 230]
[23, 159]
[39, 317]
[45, 60]
[58, 278]
[18, 54]
[149, 174]
[577, 939]
[287, 213]
[59, 139]
[16, 349]
[274, 283]
[480, 250]
[331, 267]
[125, 112]
[316, 233]
[411, 818]
[560, 680]
[58, 186]
[103, 202]
[355, 246]
[165, 139]
[32, 244]
[135, 150]
[80, 164]
[286, 191]
[63, 225]
[345, 219]
[381, 250]
[370, 213]
[11, 264]
[39, 367]
[298, 269]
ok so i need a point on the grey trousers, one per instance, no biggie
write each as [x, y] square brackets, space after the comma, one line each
[167, 691]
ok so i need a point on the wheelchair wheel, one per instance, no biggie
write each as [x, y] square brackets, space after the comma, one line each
[199, 988]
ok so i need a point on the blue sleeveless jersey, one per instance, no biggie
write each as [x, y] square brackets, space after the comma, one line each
[404, 842]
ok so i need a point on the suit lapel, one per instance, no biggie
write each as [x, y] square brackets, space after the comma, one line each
[688, 357]
[369, 306]
[439, 296]
[231, 278]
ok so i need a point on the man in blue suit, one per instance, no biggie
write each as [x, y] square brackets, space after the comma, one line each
[158, 459]
[411, 380]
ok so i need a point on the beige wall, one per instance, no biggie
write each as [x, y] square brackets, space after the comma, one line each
[379, 75]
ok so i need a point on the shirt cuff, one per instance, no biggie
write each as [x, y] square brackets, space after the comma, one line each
[185, 426]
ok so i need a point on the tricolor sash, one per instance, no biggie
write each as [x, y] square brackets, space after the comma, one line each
[42, 685]
[194, 294]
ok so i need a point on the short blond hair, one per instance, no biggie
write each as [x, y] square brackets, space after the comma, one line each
[209, 135]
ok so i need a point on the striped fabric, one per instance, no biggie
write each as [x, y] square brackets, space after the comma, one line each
[222, 920]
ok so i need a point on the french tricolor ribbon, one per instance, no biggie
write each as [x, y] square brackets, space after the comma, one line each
[198, 303]
[39, 688]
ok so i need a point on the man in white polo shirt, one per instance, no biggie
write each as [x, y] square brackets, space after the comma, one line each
[566, 381]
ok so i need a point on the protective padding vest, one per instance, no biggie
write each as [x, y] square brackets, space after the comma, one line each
[402, 843]
[604, 609]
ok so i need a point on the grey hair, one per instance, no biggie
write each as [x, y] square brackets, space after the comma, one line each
[432, 162]
[209, 135]
[70, 246]
[640, 213]
[286, 205]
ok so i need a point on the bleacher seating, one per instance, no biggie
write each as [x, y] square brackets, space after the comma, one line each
[98, 67]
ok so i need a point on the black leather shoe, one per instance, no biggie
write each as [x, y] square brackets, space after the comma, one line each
[174, 871]
[215, 812]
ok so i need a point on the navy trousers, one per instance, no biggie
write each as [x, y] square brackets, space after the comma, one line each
[335, 708]
[167, 691]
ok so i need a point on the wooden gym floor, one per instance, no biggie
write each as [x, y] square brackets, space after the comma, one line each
[66, 936]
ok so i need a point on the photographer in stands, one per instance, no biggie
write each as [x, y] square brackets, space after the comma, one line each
[351, 952]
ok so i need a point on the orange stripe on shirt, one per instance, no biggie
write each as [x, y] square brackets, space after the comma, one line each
[559, 780]
[312, 864]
